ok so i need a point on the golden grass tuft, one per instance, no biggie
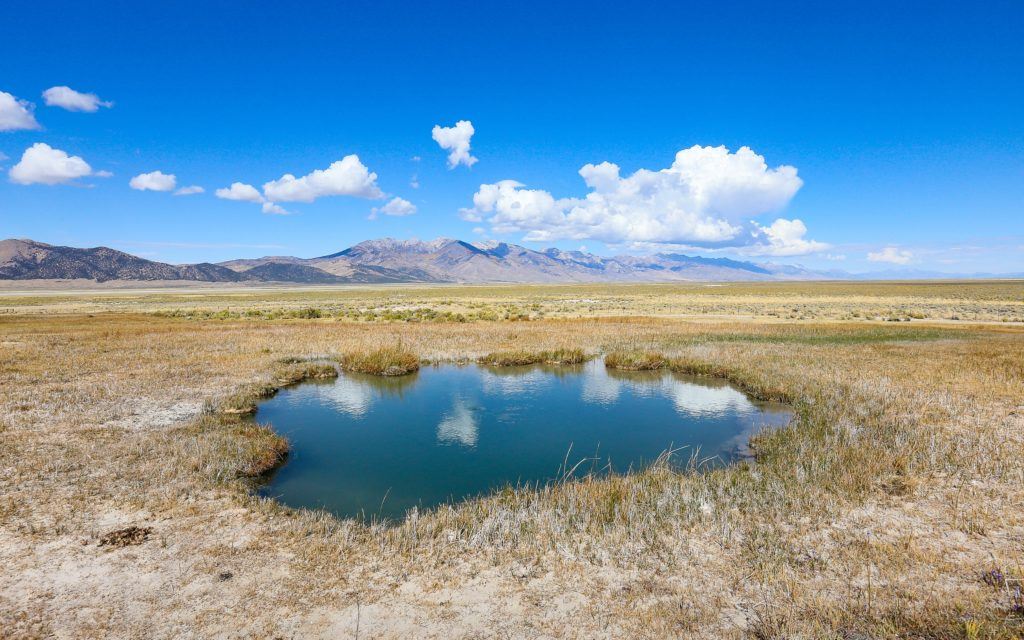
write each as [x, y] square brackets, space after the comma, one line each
[393, 360]
[261, 449]
[635, 360]
[522, 357]
[295, 372]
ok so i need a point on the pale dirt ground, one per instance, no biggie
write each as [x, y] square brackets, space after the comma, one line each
[93, 437]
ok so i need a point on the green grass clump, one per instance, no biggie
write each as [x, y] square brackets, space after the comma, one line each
[635, 360]
[387, 361]
[523, 357]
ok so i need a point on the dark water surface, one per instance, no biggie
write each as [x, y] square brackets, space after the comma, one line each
[374, 447]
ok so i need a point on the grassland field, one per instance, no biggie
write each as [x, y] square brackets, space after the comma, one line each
[892, 506]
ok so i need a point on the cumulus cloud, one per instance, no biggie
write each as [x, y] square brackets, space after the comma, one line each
[784, 238]
[153, 181]
[455, 140]
[346, 177]
[42, 164]
[893, 255]
[395, 207]
[707, 197]
[276, 209]
[240, 191]
[68, 98]
[189, 191]
[16, 114]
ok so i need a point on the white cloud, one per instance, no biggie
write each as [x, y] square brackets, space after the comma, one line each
[276, 209]
[153, 181]
[414, 182]
[42, 164]
[456, 141]
[189, 191]
[15, 114]
[394, 207]
[240, 191]
[68, 98]
[892, 255]
[346, 177]
[708, 196]
[104, 174]
[784, 238]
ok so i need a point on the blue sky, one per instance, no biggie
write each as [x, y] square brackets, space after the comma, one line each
[904, 123]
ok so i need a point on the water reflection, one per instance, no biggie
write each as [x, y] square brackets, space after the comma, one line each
[354, 394]
[704, 399]
[459, 425]
[691, 396]
[369, 445]
[348, 395]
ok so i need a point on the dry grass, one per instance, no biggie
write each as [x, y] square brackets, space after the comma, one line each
[523, 357]
[635, 360]
[892, 507]
[393, 360]
[290, 372]
[896, 303]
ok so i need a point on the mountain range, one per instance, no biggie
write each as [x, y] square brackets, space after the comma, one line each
[389, 261]
[395, 261]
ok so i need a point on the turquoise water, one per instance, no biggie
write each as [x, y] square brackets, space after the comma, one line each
[364, 446]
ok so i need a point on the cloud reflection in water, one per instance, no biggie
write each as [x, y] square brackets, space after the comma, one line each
[604, 387]
[459, 425]
[348, 395]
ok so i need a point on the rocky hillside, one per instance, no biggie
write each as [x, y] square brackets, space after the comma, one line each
[30, 260]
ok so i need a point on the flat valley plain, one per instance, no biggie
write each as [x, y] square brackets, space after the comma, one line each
[892, 507]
